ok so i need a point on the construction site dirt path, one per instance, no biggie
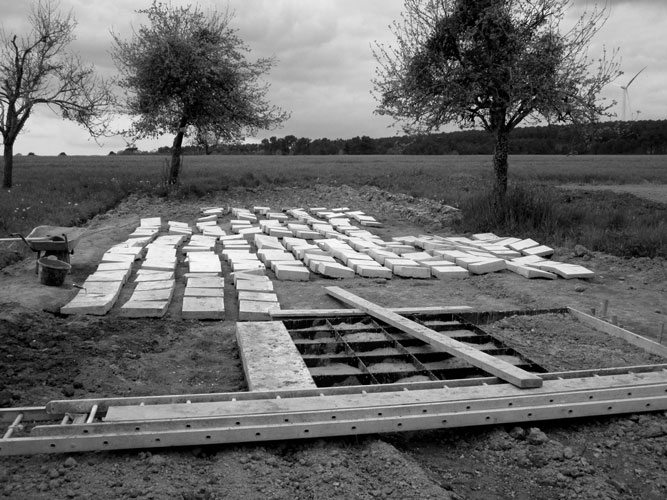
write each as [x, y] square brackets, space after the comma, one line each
[44, 356]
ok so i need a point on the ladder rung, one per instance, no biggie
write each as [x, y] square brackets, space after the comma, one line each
[13, 427]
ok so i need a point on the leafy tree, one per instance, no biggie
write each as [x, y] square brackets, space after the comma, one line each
[302, 146]
[186, 73]
[36, 68]
[493, 63]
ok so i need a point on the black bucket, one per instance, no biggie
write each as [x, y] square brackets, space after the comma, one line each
[52, 272]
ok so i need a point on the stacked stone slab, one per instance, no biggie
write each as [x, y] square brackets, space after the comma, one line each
[179, 228]
[204, 298]
[256, 297]
[154, 281]
[208, 221]
[406, 256]
[486, 252]
[101, 290]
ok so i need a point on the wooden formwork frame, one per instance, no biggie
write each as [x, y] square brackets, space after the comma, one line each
[198, 419]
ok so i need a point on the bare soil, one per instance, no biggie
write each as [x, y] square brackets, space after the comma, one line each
[45, 356]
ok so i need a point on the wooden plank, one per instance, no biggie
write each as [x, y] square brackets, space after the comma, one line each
[505, 393]
[502, 369]
[270, 358]
[184, 436]
[323, 313]
[632, 338]
[630, 375]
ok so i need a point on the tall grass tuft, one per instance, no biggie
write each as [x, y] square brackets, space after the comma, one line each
[527, 209]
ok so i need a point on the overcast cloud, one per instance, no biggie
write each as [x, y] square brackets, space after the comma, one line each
[324, 61]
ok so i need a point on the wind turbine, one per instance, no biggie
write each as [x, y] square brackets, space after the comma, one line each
[626, 95]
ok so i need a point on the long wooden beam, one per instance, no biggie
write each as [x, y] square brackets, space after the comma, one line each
[279, 314]
[502, 369]
[616, 331]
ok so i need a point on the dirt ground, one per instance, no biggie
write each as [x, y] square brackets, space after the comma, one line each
[45, 356]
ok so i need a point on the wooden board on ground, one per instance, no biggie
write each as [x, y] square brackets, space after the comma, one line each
[475, 357]
[326, 313]
[462, 399]
[632, 338]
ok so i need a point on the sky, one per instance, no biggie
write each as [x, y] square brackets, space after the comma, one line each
[324, 62]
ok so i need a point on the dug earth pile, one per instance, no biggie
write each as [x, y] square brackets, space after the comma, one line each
[45, 356]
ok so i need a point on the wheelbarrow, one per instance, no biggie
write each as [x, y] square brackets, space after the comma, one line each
[51, 240]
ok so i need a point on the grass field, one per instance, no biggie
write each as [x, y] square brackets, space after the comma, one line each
[70, 190]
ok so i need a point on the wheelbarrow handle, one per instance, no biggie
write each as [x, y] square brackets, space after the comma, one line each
[24, 241]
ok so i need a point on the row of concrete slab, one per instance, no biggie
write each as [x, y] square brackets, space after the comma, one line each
[154, 281]
[292, 244]
[326, 242]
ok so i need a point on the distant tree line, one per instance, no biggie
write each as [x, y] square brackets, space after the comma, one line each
[637, 138]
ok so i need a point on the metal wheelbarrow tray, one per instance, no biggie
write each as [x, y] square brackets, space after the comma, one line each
[53, 240]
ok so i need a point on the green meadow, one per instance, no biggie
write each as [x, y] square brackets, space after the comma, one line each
[70, 190]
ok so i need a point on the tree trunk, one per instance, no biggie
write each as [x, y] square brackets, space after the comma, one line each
[176, 151]
[500, 163]
[8, 155]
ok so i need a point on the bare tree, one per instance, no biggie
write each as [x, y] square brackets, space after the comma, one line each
[37, 69]
[186, 74]
[491, 63]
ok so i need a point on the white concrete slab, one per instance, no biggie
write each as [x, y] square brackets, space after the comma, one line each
[529, 272]
[252, 285]
[148, 309]
[271, 361]
[154, 285]
[250, 310]
[487, 266]
[288, 272]
[411, 271]
[335, 270]
[449, 272]
[247, 265]
[202, 282]
[159, 265]
[519, 246]
[159, 294]
[150, 222]
[258, 296]
[540, 251]
[203, 292]
[370, 271]
[108, 276]
[203, 308]
[153, 276]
